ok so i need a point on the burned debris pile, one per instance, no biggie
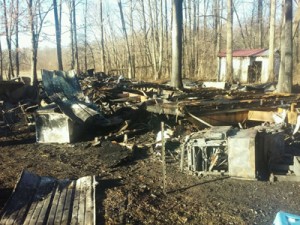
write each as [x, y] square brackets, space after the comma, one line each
[243, 131]
[162, 146]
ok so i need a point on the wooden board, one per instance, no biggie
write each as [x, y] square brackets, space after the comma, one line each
[46, 200]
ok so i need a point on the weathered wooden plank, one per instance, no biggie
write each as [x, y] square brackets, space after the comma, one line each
[61, 201]
[81, 209]
[38, 201]
[54, 206]
[30, 213]
[76, 202]
[67, 211]
[93, 198]
[17, 206]
[47, 204]
[89, 209]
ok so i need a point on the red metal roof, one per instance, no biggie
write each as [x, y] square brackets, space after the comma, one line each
[244, 52]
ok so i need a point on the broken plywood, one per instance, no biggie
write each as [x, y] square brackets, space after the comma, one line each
[46, 200]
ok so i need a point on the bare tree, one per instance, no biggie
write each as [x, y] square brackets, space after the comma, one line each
[161, 39]
[282, 52]
[272, 40]
[241, 27]
[70, 6]
[288, 46]
[260, 23]
[153, 39]
[36, 21]
[57, 20]
[229, 70]
[75, 36]
[102, 37]
[85, 37]
[132, 42]
[17, 39]
[1, 62]
[286, 70]
[176, 77]
[217, 34]
[296, 20]
[296, 33]
[126, 38]
[8, 34]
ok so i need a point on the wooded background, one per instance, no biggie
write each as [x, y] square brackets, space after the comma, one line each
[133, 37]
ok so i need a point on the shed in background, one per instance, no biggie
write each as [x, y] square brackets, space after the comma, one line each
[249, 65]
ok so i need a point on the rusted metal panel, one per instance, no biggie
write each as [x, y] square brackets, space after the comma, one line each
[46, 200]
[244, 52]
[241, 154]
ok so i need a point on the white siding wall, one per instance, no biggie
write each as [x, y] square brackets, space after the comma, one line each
[242, 75]
[264, 69]
[240, 68]
[222, 73]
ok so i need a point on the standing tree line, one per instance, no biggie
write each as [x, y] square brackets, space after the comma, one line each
[148, 39]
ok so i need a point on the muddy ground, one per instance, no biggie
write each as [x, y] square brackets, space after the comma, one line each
[130, 184]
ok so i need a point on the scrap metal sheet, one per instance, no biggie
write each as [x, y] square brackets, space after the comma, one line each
[64, 89]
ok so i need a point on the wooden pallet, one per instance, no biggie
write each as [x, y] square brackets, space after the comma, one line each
[46, 200]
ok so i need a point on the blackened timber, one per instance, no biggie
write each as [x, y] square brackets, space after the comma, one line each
[224, 109]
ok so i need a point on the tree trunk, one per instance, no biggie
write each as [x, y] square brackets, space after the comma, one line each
[288, 47]
[132, 45]
[271, 77]
[296, 21]
[36, 20]
[229, 69]
[17, 39]
[176, 78]
[102, 37]
[85, 38]
[34, 45]
[126, 38]
[75, 37]
[260, 23]
[8, 41]
[286, 60]
[58, 36]
[217, 41]
[147, 56]
[152, 25]
[161, 39]
[240, 25]
[282, 53]
[1, 62]
[70, 5]
[168, 68]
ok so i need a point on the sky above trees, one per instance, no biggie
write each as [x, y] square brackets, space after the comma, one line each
[244, 9]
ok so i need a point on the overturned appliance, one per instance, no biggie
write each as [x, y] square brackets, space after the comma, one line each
[224, 149]
[71, 112]
[207, 150]
[52, 126]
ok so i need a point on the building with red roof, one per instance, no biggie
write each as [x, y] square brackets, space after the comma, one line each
[249, 65]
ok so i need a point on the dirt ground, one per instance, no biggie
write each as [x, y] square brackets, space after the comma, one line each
[130, 184]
